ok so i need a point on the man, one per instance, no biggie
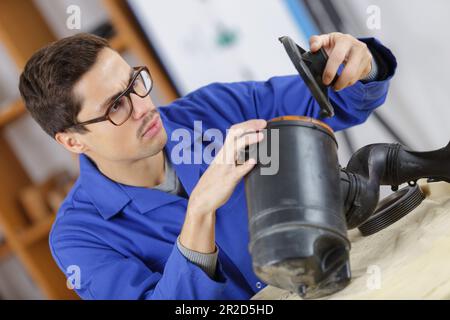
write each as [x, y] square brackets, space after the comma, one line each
[140, 224]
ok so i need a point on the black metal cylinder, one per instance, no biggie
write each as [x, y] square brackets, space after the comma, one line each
[298, 232]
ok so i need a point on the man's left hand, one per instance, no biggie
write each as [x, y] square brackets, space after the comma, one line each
[346, 49]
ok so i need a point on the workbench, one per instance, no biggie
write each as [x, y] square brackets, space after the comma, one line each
[408, 260]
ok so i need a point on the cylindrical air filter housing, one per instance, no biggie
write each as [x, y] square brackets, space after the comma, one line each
[298, 232]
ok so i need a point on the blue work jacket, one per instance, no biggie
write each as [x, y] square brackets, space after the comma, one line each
[116, 241]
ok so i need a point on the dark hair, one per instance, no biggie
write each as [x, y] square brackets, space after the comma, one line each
[46, 84]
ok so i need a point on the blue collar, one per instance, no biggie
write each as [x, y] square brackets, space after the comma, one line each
[110, 197]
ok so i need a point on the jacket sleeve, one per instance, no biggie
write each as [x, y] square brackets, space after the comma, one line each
[220, 105]
[105, 273]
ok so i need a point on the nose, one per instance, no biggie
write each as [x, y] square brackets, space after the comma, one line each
[141, 106]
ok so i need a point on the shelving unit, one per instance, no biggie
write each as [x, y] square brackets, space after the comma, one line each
[23, 238]
[5, 251]
[26, 241]
[11, 112]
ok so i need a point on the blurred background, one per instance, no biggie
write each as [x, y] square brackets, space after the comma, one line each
[188, 44]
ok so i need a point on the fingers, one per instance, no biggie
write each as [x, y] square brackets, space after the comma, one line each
[245, 168]
[244, 141]
[357, 66]
[239, 136]
[236, 146]
[245, 133]
[351, 71]
[337, 56]
[343, 49]
[247, 126]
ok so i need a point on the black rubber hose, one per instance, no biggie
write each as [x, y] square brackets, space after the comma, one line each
[412, 165]
[386, 164]
[360, 197]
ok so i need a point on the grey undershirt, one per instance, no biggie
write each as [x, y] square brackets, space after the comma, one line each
[171, 183]
[206, 261]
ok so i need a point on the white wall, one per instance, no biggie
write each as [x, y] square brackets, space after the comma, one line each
[55, 12]
[418, 105]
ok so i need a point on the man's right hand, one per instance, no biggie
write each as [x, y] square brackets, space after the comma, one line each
[216, 185]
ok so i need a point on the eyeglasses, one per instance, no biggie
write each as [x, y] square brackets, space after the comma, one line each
[120, 110]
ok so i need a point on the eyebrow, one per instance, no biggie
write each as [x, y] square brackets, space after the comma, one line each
[114, 96]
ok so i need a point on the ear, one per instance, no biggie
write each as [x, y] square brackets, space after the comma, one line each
[71, 141]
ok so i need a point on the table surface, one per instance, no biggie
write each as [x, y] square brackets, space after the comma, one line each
[408, 260]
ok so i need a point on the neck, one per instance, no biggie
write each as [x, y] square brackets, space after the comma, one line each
[147, 172]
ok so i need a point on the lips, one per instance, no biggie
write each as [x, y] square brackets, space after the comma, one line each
[151, 124]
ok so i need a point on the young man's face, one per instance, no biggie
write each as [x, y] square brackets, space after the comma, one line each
[109, 76]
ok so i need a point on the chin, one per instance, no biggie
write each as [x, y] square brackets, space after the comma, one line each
[161, 138]
[156, 144]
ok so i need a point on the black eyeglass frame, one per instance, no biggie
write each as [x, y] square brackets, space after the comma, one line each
[126, 93]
